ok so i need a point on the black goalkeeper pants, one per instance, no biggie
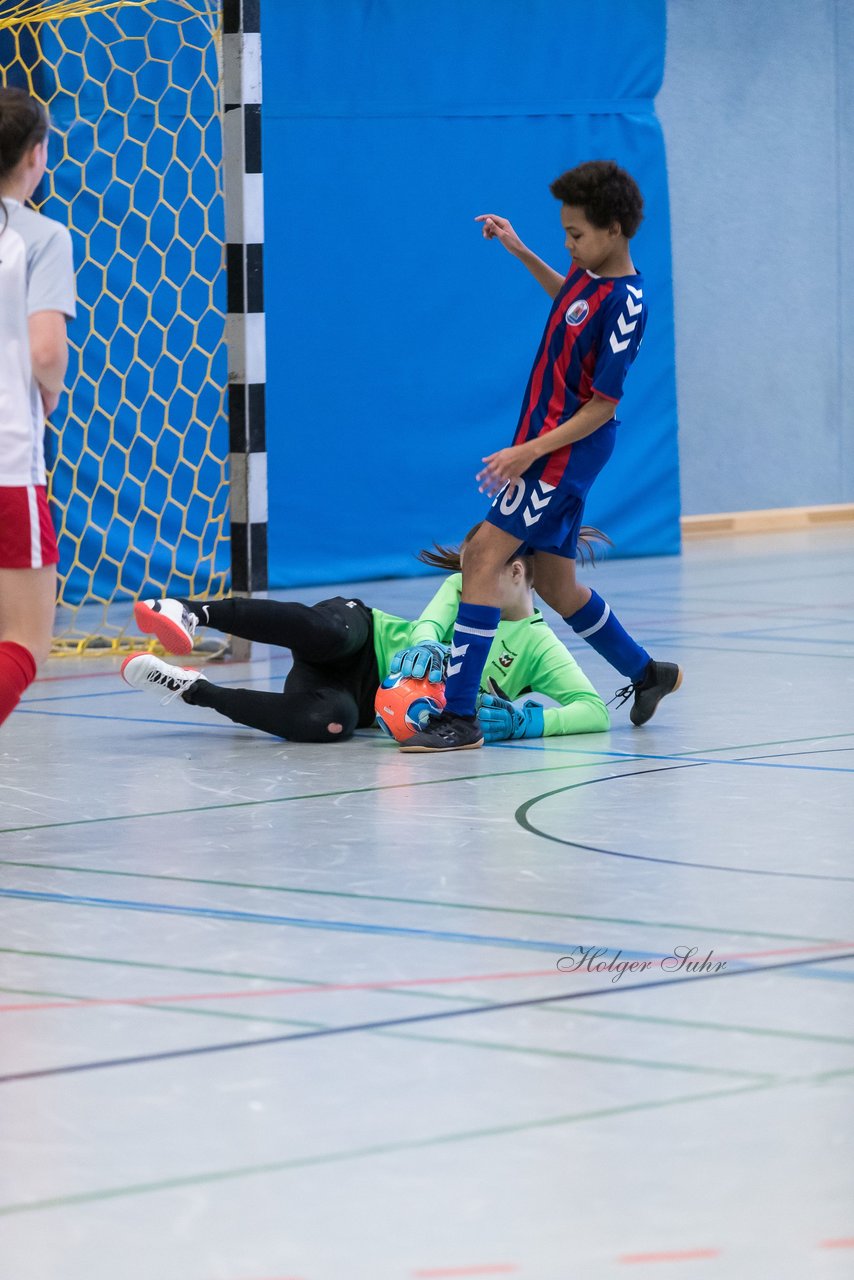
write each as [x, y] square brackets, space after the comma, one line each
[331, 688]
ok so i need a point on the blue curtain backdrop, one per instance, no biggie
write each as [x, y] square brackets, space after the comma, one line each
[399, 341]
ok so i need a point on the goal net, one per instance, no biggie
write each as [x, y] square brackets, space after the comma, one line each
[138, 450]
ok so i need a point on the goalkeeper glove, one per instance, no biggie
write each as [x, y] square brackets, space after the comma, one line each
[500, 719]
[427, 659]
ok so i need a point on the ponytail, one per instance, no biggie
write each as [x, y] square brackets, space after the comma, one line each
[448, 558]
[23, 125]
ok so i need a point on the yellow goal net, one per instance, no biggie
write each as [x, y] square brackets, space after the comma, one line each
[138, 450]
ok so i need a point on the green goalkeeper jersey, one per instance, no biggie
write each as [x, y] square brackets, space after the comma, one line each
[526, 657]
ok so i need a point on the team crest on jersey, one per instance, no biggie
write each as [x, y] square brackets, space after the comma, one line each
[577, 312]
[506, 659]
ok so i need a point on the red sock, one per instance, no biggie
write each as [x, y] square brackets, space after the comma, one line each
[17, 671]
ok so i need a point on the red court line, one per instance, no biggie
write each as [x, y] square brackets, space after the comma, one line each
[305, 988]
[783, 951]
[322, 988]
[838, 1244]
[487, 1269]
[681, 1255]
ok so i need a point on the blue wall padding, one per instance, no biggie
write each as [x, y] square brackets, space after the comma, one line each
[399, 341]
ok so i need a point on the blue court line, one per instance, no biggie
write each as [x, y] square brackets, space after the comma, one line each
[723, 650]
[381, 1025]
[125, 690]
[85, 715]
[686, 759]
[770, 635]
[301, 922]
[830, 975]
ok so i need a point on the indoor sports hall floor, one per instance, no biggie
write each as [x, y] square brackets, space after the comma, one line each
[277, 1012]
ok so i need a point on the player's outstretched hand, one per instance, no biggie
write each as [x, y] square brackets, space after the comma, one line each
[505, 467]
[500, 719]
[427, 659]
[498, 228]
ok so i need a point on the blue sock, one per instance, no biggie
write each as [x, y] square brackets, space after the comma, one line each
[596, 624]
[474, 633]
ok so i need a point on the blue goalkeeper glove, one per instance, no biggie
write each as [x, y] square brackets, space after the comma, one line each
[500, 719]
[427, 659]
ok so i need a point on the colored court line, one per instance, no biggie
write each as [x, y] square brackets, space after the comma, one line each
[324, 795]
[260, 993]
[757, 653]
[222, 1175]
[690, 1024]
[351, 1028]
[390, 985]
[315, 795]
[85, 715]
[299, 922]
[335, 926]
[382, 1149]
[837, 1244]
[114, 671]
[557, 745]
[678, 1255]
[125, 690]
[497, 1046]
[444, 904]
[526, 824]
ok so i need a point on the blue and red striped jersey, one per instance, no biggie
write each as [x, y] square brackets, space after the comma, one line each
[592, 335]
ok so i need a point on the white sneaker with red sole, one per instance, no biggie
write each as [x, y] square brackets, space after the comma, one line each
[169, 620]
[145, 671]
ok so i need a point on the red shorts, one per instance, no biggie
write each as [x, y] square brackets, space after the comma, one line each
[27, 539]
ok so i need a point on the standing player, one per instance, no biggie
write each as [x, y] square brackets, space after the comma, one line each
[36, 297]
[566, 434]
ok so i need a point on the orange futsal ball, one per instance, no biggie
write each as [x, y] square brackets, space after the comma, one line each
[403, 705]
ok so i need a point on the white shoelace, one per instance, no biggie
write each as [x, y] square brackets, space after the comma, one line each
[176, 687]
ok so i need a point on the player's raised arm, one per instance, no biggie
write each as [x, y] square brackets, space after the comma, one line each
[497, 228]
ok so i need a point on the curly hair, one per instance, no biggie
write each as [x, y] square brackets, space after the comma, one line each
[605, 192]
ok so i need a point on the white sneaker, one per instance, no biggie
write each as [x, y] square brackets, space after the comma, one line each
[167, 619]
[145, 671]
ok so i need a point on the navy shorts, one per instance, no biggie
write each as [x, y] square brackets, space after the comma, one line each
[542, 517]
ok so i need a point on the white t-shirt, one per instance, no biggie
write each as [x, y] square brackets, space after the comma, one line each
[36, 274]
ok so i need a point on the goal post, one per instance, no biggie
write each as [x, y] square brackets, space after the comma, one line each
[157, 455]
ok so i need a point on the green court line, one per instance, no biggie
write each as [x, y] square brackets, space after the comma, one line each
[695, 1024]
[496, 1045]
[413, 902]
[440, 996]
[392, 786]
[381, 1149]
[311, 795]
